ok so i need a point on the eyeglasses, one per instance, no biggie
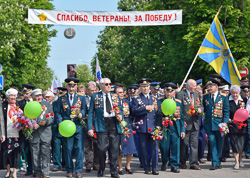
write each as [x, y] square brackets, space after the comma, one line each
[107, 84]
[120, 92]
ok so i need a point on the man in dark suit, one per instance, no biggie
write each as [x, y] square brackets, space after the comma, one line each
[107, 127]
[42, 135]
[90, 146]
[216, 107]
[75, 142]
[190, 96]
[146, 107]
[27, 89]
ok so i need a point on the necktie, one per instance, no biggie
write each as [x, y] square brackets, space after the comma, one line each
[71, 97]
[108, 105]
[148, 99]
[213, 98]
[191, 95]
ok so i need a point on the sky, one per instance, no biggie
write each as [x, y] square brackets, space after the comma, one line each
[82, 48]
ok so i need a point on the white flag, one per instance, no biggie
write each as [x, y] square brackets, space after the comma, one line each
[54, 85]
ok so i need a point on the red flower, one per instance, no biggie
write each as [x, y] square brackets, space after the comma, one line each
[125, 140]
[134, 132]
[95, 136]
[149, 129]
[235, 122]
[126, 129]
[47, 115]
[160, 138]
[23, 121]
[241, 124]
[26, 126]
[245, 125]
[171, 123]
[239, 127]
[73, 107]
[125, 133]
[9, 146]
[113, 107]
[26, 122]
[220, 129]
[129, 134]
[52, 114]
[19, 120]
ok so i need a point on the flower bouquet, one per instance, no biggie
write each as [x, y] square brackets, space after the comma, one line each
[194, 111]
[156, 134]
[75, 111]
[223, 129]
[240, 124]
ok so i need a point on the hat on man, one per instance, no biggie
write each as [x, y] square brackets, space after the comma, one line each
[155, 85]
[28, 87]
[71, 81]
[213, 81]
[144, 81]
[245, 88]
[11, 91]
[113, 87]
[244, 78]
[216, 76]
[225, 87]
[36, 92]
[61, 89]
[199, 82]
[49, 93]
[169, 86]
[133, 87]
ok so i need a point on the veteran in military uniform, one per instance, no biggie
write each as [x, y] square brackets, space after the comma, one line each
[58, 154]
[155, 87]
[146, 107]
[65, 103]
[174, 129]
[216, 107]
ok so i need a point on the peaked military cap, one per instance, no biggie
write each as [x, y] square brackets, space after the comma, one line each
[213, 81]
[199, 82]
[244, 78]
[245, 88]
[113, 87]
[155, 85]
[144, 81]
[28, 87]
[133, 87]
[71, 81]
[169, 86]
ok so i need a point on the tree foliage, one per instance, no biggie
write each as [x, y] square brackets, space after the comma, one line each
[165, 53]
[84, 74]
[24, 47]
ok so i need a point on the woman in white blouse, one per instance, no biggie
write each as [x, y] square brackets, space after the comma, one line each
[13, 144]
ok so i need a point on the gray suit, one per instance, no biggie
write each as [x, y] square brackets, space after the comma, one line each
[40, 144]
[192, 121]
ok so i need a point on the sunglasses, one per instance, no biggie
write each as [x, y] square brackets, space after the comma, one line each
[120, 92]
[107, 84]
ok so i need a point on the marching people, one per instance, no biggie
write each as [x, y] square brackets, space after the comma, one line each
[75, 142]
[14, 142]
[145, 107]
[42, 135]
[173, 132]
[238, 132]
[190, 96]
[128, 144]
[59, 152]
[90, 144]
[216, 107]
[106, 123]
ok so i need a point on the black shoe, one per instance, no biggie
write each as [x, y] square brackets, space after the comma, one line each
[208, 158]
[128, 170]
[141, 166]
[120, 172]
[163, 167]
[154, 172]
[247, 157]
[28, 173]
[100, 173]
[115, 176]
[175, 170]
[212, 168]
[88, 169]
[223, 160]
[147, 172]
[34, 175]
[218, 167]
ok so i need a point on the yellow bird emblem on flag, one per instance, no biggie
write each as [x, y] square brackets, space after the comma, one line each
[42, 17]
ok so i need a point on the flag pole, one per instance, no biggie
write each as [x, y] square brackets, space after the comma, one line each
[190, 68]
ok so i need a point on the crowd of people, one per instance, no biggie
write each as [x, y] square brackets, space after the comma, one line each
[124, 122]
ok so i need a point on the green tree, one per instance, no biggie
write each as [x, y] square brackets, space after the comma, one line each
[165, 53]
[24, 47]
[84, 74]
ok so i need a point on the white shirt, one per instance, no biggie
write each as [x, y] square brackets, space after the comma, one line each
[248, 106]
[147, 96]
[71, 101]
[236, 102]
[106, 114]
[215, 96]
[11, 132]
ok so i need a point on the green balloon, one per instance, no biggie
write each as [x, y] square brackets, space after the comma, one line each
[67, 128]
[168, 107]
[32, 109]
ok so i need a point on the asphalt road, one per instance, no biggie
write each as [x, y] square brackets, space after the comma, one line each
[227, 171]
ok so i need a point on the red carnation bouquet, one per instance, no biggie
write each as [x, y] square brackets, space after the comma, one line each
[194, 111]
